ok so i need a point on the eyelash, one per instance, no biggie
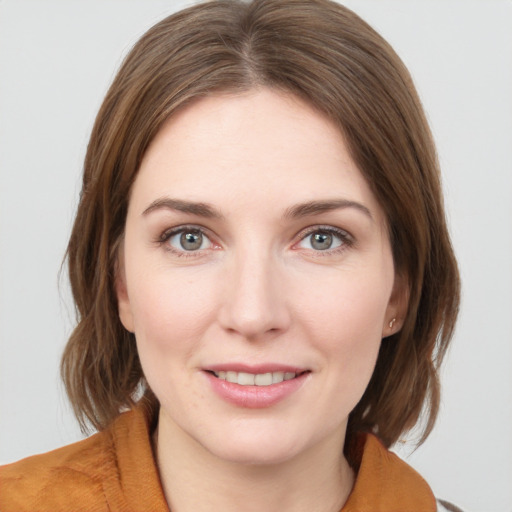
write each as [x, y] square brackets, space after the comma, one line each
[168, 234]
[346, 239]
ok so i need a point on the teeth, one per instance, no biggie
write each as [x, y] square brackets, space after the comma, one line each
[277, 377]
[251, 379]
[246, 379]
[263, 379]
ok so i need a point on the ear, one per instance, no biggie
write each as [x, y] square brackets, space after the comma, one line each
[123, 301]
[397, 306]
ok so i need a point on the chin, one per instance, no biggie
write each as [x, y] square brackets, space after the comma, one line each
[256, 446]
[253, 455]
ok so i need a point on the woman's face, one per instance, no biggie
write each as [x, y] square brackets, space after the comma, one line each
[257, 276]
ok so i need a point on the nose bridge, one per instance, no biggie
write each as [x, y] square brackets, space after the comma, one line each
[254, 302]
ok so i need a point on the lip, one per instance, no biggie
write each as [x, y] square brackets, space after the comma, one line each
[259, 368]
[255, 397]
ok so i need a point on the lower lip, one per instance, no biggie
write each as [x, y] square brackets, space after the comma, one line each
[255, 397]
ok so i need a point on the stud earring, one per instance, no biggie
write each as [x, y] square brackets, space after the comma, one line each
[392, 323]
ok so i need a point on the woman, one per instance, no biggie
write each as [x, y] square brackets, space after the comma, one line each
[263, 274]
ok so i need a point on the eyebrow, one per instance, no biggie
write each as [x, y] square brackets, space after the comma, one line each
[318, 207]
[199, 209]
[294, 212]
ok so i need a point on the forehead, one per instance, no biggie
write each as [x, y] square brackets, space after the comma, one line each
[261, 147]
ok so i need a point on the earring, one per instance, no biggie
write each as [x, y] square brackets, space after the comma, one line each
[392, 323]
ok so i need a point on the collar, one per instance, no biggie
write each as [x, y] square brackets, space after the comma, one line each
[137, 485]
[384, 482]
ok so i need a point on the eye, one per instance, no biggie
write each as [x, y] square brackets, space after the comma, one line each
[324, 239]
[187, 239]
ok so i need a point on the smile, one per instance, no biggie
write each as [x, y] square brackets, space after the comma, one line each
[255, 387]
[254, 379]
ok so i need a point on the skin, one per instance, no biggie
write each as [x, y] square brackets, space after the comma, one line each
[257, 291]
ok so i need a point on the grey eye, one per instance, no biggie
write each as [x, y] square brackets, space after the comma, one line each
[189, 240]
[321, 241]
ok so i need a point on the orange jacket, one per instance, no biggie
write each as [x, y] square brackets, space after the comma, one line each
[115, 471]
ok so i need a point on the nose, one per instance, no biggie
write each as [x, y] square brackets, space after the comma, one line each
[254, 304]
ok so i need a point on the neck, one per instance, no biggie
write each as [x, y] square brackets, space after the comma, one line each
[193, 478]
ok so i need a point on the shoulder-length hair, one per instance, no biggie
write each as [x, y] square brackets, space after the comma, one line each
[328, 56]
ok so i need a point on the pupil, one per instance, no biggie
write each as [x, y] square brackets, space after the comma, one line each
[191, 241]
[322, 241]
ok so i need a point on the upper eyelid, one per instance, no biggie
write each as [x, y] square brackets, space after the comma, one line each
[303, 231]
[331, 229]
[166, 233]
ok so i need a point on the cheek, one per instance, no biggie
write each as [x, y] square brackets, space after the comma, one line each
[352, 305]
[345, 319]
[347, 331]
[169, 309]
[171, 315]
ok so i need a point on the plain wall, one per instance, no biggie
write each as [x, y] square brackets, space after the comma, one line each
[57, 59]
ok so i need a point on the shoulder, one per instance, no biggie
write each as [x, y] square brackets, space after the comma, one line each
[111, 470]
[54, 480]
[385, 482]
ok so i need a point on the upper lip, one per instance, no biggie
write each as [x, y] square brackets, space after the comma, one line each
[254, 369]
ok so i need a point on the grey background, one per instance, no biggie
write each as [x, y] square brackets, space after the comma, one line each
[56, 61]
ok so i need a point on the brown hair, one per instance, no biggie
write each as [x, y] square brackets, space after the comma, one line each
[327, 55]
